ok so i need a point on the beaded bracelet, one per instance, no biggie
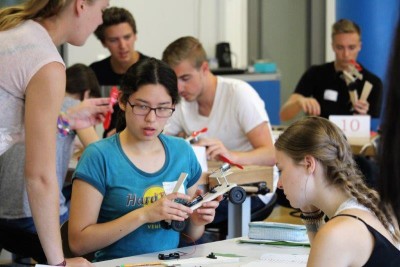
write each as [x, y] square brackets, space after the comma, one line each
[63, 126]
[64, 263]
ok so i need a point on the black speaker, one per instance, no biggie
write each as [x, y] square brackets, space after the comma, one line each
[223, 54]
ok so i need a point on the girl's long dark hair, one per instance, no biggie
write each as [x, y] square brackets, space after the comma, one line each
[81, 78]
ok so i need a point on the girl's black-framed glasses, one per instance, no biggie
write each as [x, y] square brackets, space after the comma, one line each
[143, 110]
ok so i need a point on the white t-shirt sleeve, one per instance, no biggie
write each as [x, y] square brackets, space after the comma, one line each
[251, 108]
[174, 123]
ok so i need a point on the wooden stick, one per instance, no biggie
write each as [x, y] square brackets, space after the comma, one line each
[250, 189]
[348, 77]
[178, 184]
[353, 97]
[366, 90]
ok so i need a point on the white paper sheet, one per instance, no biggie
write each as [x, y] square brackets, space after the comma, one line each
[279, 260]
[201, 155]
[200, 261]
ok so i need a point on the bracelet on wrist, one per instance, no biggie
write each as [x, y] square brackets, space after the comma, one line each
[63, 126]
[63, 263]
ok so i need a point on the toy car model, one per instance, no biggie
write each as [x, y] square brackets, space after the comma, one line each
[235, 193]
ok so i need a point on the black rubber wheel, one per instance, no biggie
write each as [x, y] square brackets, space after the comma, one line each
[178, 225]
[165, 225]
[237, 195]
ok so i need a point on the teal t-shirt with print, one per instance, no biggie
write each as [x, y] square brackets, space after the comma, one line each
[124, 187]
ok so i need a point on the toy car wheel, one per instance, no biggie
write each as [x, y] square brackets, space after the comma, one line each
[237, 195]
[165, 225]
[178, 225]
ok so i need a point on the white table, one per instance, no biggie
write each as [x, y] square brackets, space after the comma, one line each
[249, 253]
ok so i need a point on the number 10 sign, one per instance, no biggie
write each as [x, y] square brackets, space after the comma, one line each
[355, 127]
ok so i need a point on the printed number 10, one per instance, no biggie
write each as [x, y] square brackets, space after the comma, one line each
[352, 125]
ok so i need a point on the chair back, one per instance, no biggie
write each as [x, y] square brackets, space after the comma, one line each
[371, 148]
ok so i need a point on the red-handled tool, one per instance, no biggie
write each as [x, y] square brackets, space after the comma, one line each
[222, 158]
[195, 134]
[356, 65]
[113, 99]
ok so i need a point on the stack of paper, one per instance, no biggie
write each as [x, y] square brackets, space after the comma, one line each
[200, 261]
[279, 260]
[278, 231]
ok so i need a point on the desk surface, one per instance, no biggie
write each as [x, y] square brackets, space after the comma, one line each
[368, 151]
[248, 253]
[365, 148]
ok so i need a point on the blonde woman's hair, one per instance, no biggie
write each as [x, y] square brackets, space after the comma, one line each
[321, 139]
[185, 48]
[12, 16]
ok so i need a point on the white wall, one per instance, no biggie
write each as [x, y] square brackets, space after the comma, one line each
[159, 22]
[284, 40]
[330, 19]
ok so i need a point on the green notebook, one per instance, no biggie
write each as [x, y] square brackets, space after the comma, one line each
[273, 242]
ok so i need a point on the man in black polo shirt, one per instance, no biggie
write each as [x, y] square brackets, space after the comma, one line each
[322, 90]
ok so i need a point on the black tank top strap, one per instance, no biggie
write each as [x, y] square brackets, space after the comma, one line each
[353, 216]
[384, 252]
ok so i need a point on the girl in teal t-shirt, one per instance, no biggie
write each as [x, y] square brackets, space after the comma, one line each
[120, 188]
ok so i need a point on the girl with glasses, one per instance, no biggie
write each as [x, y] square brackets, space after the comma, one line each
[122, 184]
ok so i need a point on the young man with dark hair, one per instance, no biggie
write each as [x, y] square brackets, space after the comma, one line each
[118, 34]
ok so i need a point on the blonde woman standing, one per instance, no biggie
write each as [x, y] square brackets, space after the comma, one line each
[32, 87]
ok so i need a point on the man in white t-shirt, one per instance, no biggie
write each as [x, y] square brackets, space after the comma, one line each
[234, 114]
[238, 125]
